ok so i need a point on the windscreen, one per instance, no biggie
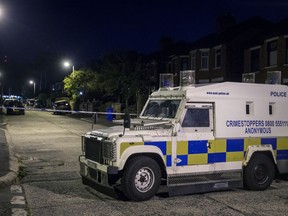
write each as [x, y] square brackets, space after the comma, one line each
[161, 108]
[14, 103]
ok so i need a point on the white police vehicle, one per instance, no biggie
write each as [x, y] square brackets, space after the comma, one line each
[197, 138]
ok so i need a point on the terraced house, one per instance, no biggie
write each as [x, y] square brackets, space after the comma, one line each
[267, 56]
[255, 50]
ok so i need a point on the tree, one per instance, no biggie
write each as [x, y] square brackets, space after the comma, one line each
[79, 82]
[118, 77]
[122, 77]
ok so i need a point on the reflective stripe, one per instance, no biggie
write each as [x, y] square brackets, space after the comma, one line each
[197, 152]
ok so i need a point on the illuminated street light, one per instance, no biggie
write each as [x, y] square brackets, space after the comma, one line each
[67, 64]
[34, 85]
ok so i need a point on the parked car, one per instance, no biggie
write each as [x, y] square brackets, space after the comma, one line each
[13, 106]
[61, 107]
[39, 104]
[30, 102]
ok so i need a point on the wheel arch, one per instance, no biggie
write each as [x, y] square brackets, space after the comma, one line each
[259, 149]
[267, 153]
[155, 155]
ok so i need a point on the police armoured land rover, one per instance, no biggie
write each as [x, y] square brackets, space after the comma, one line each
[193, 138]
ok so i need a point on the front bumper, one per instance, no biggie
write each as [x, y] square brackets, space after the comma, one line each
[96, 172]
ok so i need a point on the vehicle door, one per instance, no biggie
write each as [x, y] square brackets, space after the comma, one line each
[194, 152]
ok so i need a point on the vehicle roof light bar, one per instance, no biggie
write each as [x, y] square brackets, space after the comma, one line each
[166, 81]
[187, 78]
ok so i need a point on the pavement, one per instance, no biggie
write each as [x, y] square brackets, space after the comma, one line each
[9, 166]
[8, 161]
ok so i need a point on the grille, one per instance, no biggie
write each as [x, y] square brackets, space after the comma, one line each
[109, 152]
[93, 149]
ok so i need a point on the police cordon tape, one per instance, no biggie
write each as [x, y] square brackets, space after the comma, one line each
[67, 111]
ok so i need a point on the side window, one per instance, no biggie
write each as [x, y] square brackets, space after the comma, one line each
[249, 108]
[196, 117]
[271, 108]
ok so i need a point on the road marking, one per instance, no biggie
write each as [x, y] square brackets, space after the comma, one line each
[16, 189]
[19, 212]
[18, 200]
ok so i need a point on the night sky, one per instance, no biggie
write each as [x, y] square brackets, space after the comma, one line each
[82, 30]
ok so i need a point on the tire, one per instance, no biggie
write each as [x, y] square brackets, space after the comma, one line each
[141, 178]
[259, 173]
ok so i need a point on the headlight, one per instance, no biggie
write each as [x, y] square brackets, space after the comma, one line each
[109, 150]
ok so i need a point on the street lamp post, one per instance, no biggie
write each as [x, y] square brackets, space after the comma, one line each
[34, 85]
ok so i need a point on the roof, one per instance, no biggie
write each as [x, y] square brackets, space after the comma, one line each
[247, 29]
[228, 90]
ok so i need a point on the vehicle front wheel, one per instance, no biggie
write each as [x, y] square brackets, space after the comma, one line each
[259, 173]
[141, 178]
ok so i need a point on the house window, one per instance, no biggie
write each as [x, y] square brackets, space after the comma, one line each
[184, 64]
[255, 60]
[204, 59]
[272, 53]
[173, 67]
[169, 68]
[193, 61]
[217, 58]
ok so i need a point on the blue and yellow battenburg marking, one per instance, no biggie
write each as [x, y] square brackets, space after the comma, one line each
[221, 150]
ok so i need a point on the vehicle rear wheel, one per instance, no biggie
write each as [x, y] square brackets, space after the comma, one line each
[259, 173]
[141, 178]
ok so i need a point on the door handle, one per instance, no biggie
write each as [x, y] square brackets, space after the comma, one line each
[209, 145]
